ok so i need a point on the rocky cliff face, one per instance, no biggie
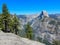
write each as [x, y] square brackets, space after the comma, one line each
[43, 24]
[12, 39]
[40, 24]
[43, 14]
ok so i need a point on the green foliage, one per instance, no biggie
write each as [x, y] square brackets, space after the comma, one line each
[52, 22]
[56, 42]
[15, 24]
[29, 32]
[8, 23]
[5, 18]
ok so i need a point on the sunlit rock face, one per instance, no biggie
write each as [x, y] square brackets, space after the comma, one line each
[12, 39]
[41, 23]
[45, 13]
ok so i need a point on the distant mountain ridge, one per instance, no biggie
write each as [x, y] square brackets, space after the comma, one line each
[42, 24]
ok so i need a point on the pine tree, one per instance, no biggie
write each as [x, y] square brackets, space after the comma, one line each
[29, 32]
[15, 24]
[5, 17]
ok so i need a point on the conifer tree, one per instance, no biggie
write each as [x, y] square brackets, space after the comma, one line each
[15, 24]
[29, 32]
[5, 17]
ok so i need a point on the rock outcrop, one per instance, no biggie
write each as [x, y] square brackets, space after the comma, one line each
[43, 23]
[12, 39]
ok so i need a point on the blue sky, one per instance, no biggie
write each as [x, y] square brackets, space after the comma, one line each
[31, 6]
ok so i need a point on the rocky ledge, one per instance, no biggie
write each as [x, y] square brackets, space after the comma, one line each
[12, 39]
